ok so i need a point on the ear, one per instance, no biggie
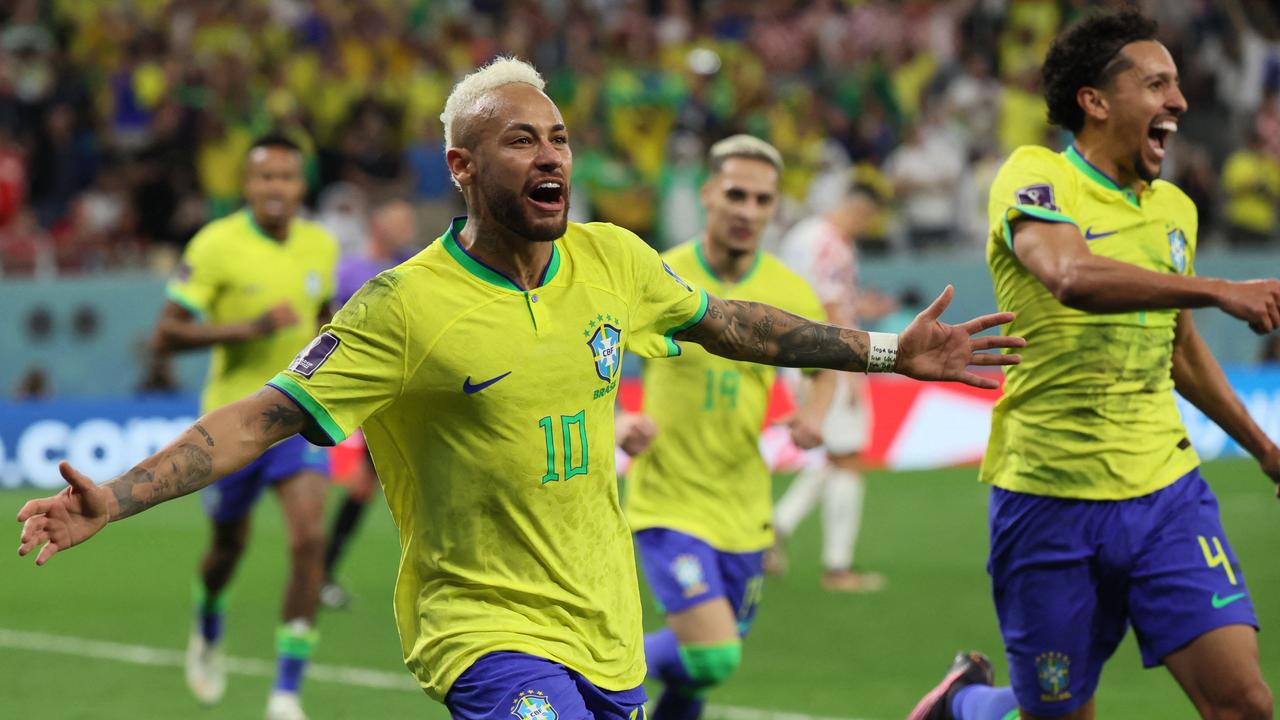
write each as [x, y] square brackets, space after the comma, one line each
[1093, 103]
[704, 193]
[461, 165]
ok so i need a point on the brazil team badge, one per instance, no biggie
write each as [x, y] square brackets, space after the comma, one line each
[687, 570]
[1053, 669]
[533, 705]
[606, 346]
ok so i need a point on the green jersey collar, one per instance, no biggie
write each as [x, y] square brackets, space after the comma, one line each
[702, 261]
[1093, 173]
[476, 267]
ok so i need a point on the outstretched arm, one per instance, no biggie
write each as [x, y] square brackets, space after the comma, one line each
[926, 350]
[219, 443]
[1198, 378]
[178, 329]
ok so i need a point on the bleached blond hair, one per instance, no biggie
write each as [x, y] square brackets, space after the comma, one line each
[743, 146]
[472, 89]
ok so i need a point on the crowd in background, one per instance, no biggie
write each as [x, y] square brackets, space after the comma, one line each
[124, 123]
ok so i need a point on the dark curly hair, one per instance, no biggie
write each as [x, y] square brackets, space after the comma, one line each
[1088, 54]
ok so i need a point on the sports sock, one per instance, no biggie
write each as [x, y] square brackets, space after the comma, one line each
[841, 517]
[983, 702]
[799, 499]
[295, 641]
[679, 699]
[344, 524]
[209, 611]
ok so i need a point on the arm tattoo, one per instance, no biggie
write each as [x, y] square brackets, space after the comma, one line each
[207, 437]
[187, 467]
[756, 332]
[283, 416]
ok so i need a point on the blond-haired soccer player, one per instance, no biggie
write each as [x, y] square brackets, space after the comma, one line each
[699, 497]
[255, 286]
[1099, 516]
[483, 372]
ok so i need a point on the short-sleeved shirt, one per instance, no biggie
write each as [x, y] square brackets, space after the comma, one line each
[817, 251]
[703, 474]
[233, 272]
[1090, 411]
[488, 410]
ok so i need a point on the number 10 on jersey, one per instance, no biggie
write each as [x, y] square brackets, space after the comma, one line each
[573, 460]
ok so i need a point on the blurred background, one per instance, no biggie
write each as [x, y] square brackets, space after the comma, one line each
[124, 125]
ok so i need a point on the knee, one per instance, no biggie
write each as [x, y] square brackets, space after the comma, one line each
[711, 665]
[307, 540]
[1253, 702]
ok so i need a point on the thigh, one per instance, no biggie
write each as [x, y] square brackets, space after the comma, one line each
[682, 570]
[1187, 580]
[1219, 667]
[512, 684]
[1060, 613]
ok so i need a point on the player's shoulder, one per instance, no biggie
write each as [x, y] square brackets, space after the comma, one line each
[1035, 158]
[601, 235]
[682, 254]
[230, 229]
[314, 232]
[1172, 196]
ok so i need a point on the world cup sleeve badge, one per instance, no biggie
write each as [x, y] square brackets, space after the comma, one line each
[1178, 250]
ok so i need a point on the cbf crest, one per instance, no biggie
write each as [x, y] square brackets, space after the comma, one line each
[605, 341]
[533, 705]
[1053, 670]
[687, 570]
[1178, 250]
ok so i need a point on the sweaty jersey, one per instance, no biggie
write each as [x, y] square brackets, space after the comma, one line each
[703, 474]
[1090, 412]
[819, 252]
[488, 410]
[233, 272]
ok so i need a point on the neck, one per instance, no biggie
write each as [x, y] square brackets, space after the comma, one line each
[512, 255]
[276, 230]
[728, 265]
[1112, 161]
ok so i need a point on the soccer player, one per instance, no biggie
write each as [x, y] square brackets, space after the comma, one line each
[483, 372]
[393, 229]
[253, 286]
[1099, 518]
[822, 249]
[699, 497]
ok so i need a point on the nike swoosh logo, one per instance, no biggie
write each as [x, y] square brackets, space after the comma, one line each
[1219, 603]
[471, 389]
[1089, 234]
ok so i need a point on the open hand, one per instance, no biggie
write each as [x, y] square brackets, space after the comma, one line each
[933, 350]
[66, 519]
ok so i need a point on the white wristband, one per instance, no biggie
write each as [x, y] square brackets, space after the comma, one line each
[883, 355]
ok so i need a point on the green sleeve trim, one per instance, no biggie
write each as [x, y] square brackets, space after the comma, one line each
[292, 644]
[673, 348]
[333, 433]
[1038, 213]
[172, 292]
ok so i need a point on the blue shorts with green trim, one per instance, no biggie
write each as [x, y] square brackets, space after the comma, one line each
[232, 497]
[684, 571]
[526, 687]
[1070, 576]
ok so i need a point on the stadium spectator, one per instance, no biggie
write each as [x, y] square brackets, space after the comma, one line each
[1251, 182]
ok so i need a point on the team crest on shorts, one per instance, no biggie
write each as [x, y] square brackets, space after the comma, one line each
[533, 705]
[606, 345]
[1054, 672]
[688, 571]
[1178, 250]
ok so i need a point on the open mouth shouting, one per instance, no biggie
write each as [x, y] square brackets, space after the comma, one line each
[548, 195]
[1159, 134]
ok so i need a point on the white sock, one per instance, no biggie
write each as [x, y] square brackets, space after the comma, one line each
[800, 499]
[841, 517]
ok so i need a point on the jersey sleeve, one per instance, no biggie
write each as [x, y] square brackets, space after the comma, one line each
[195, 284]
[355, 367]
[1031, 184]
[662, 302]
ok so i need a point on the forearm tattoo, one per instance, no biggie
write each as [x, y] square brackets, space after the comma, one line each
[177, 471]
[756, 332]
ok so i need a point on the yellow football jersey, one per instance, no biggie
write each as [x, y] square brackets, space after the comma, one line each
[489, 413]
[1090, 412]
[703, 474]
[234, 272]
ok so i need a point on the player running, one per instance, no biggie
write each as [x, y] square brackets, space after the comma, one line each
[823, 250]
[483, 372]
[254, 286]
[699, 498]
[1099, 517]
